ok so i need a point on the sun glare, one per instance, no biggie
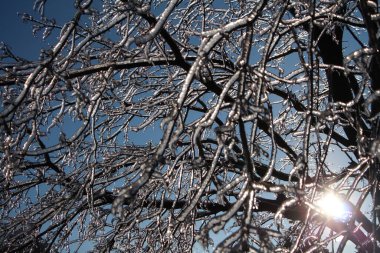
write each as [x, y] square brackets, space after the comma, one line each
[333, 206]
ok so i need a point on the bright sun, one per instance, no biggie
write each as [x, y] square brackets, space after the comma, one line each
[333, 206]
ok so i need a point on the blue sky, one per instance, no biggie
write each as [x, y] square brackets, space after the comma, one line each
[18, 34]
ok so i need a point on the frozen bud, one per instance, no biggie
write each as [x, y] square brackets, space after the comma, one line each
[375, 148]
[8, 140]
[62, 137]
[300, 163]
[242, 63]
[371, 4]
[8, 171]
[356, 54]
[375, 17]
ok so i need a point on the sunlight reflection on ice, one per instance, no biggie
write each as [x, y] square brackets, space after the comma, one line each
[333, 206]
